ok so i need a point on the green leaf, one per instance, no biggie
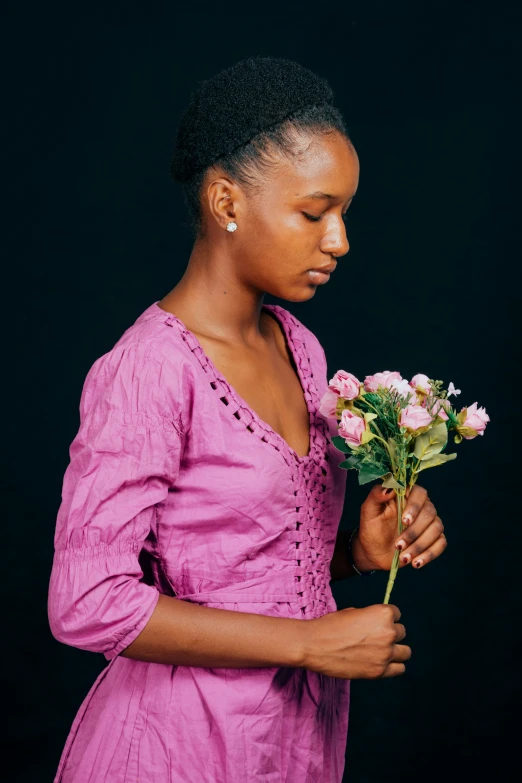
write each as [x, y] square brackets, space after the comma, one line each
[466, 430]
[431, 442]
[365, 476]
[462, 416]
[367, 436]
[437, 459]
[390, 483]
[340, 444]
[351, 462]
[393, 449]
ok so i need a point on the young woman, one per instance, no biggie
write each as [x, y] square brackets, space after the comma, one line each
[198, 530]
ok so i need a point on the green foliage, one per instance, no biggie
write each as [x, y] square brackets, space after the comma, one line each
[351, 462]
[393, 453]
[437, 389]
[390, 483]
[340, 444]
[385, 403]
[437, 459]
[431, 442]
[365, 476]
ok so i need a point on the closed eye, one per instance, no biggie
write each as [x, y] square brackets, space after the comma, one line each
[314, 218]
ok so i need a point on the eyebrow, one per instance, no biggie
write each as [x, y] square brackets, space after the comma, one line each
[318, 194]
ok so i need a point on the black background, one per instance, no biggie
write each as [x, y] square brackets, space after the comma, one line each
[99, 231]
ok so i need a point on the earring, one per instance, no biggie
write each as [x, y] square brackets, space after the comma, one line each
[231, 226]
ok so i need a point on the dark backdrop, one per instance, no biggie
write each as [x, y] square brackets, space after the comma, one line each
[99, 232]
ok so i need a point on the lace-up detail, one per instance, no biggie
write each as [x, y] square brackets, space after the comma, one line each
[312, 572]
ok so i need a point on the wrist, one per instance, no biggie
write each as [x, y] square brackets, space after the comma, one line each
[301, 646]
[358, 557]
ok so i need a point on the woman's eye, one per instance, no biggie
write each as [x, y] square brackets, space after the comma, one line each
[315, 219]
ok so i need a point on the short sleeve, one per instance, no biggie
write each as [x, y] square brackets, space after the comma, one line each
[123, 461]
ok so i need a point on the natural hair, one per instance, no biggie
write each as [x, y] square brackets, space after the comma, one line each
[244, 120]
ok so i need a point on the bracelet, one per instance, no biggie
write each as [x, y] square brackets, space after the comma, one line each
[350, 556]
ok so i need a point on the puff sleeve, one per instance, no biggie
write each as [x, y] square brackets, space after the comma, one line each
[123, 461]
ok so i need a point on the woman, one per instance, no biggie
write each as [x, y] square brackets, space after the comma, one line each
[197, 534]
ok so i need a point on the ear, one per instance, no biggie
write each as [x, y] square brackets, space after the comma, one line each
[223, 199]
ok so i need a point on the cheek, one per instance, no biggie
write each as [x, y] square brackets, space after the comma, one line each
[280, 245]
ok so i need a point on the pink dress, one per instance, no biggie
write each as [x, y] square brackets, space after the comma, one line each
[176, 486]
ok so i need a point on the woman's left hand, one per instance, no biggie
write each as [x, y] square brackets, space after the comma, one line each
[377, 539]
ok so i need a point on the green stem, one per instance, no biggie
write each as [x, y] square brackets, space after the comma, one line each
[414, 474]
[363, 399]
[395, 563]
[379, 437]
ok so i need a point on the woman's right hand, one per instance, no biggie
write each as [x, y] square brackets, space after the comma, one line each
[356, 643]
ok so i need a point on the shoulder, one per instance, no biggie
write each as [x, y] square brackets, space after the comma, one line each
[149, 371]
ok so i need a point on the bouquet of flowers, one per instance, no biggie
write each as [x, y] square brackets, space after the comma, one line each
[393, 429]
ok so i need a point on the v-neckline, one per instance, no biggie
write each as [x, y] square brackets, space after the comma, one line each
[297, 352]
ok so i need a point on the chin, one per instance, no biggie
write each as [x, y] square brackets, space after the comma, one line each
[302, 295]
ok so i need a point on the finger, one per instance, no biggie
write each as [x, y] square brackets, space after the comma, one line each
[379, 494]
[410, 534]
[432, 552]
[401, 653]
[393, 670]
[396, 613]
[415, 502]
[423, 542]
[400, 632]
[376, 502]
[387, 494]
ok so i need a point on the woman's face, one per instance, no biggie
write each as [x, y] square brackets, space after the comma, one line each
[295, 221]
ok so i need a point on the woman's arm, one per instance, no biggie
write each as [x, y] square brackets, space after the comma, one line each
[186, 634]
[340, 567]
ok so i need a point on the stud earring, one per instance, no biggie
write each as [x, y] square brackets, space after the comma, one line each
[231, 226]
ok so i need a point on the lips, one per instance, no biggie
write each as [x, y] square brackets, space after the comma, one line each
[328, 268]
[318, 276]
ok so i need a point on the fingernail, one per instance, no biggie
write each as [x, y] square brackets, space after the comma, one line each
[407, 519]
[400, 544]
[406, 558]
[418, 563]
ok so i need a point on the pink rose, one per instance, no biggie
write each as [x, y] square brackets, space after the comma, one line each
[439, 409]
[328, 404]
[421, 382]
[351, 427]
[345, 384]
[476, 418]
[415, 416]
[371, 382]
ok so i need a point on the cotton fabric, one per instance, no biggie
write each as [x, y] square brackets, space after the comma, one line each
[176, 486]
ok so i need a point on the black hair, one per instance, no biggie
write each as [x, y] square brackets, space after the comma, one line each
[244, 119]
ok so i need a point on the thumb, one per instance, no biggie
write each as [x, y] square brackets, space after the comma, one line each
[376, 497]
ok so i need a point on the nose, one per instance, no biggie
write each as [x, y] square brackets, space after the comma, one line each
[335, 242]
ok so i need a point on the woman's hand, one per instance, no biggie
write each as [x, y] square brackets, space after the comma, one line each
[356, 643]
[376, 541]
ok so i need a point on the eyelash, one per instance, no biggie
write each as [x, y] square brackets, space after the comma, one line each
[315, 219]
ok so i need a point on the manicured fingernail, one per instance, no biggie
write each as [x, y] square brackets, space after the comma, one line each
[400, 544]
[418, 563]
[406, 558]
[407, 519]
